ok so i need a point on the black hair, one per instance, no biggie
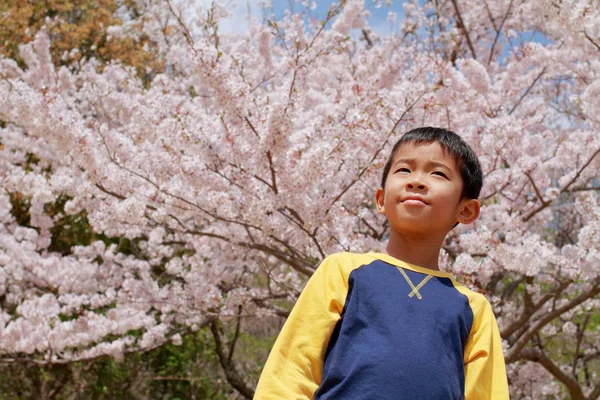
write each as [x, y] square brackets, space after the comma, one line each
[466, 160]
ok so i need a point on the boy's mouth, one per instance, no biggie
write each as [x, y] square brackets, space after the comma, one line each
[413, 200]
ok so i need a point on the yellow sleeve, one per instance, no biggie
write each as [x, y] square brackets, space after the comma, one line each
[485, 373]
[295, 365]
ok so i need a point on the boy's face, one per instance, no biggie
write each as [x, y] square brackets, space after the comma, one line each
[423, 192]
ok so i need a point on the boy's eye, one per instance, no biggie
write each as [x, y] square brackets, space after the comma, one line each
[403, 170]
[440, 173]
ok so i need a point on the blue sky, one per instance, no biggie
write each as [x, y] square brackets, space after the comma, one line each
[378, 22]
[237, 22]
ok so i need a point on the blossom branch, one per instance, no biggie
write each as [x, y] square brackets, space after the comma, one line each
[537, 355]
[566, 187]
[229, 367]
[530, 309]
[513, 353]
[596, 45]
[463, 27]
[537, 78]
[498, 30]
[184, 28]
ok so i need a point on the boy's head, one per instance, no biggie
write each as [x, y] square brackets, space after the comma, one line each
[430, 183]
[465, 158]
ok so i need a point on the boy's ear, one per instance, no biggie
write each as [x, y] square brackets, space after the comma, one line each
[468, 212]
[379, 201]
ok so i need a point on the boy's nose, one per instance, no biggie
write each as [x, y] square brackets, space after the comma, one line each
[416, 184]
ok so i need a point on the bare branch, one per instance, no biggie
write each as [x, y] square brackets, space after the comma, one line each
[184, 28]
[490, 16]
[583, 189]
[588, 162]
[529, 311]
[545, 203]
[278, 311]
[567, 186]
[463, 27]
[229, 368]
[513, 353]
[236, 335]
[499, 30]
[570, 382]
[528, 90]
[580, 334]
[595, 394]
[591, 40]
[272, 168]
[251, 126]
[366, 37]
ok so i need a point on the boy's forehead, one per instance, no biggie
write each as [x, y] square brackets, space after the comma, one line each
[424, 152]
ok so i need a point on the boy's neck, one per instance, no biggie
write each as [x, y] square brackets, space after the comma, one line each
[421, 251]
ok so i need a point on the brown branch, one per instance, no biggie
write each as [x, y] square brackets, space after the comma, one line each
[584, 189]
[499, 30]
[545, 203]
[299, 222]
[578, 174]
[580, 334]
[280, 256]
[490, 16]
[229, 368]
[513, 353]
[528, 312]
[272, 168]
[566, 188]
[366, 37]
[591, 40]
[103, 189]
[278, 311]
[251, 126]
[242, 169]
[595, 394]
[186, 32]
[273, 184]
[537, 78]
[570, 382]
[236, 335]
[463, 27]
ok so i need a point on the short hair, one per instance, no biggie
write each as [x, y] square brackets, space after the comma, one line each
[466, 160]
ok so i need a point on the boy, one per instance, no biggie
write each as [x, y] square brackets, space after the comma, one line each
[392, 326]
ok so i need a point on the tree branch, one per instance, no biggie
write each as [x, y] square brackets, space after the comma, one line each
[499, 30]
[463, 27]
[229, 368]
[591, 40]
[528, 90]
[595, 394]
[566, 188]
[272, 168]
[529, 311]
[570, 382]
[236, 335]
[184, 28]
[513, 353]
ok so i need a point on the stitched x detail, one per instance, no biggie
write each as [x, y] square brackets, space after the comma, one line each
[415, 289]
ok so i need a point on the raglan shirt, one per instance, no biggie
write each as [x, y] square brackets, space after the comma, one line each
[369, 326]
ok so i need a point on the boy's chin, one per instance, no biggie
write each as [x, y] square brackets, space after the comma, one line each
[420, 227]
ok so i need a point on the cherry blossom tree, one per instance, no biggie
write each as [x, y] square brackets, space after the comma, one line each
[236, 171]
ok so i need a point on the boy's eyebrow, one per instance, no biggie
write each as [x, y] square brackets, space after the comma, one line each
[432, 163]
